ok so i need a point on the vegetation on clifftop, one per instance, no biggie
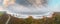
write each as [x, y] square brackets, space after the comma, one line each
[55, 19]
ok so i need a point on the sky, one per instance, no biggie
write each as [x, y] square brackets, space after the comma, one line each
[53, 5]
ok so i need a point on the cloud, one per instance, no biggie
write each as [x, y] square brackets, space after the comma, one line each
[24, 9]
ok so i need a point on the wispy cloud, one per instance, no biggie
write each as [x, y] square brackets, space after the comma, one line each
[21, 8]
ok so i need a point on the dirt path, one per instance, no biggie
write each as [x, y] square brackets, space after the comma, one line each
[8, 20]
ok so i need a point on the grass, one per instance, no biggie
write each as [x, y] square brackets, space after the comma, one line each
[1, 13]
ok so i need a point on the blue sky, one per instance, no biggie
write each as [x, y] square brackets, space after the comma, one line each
[54, 4]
